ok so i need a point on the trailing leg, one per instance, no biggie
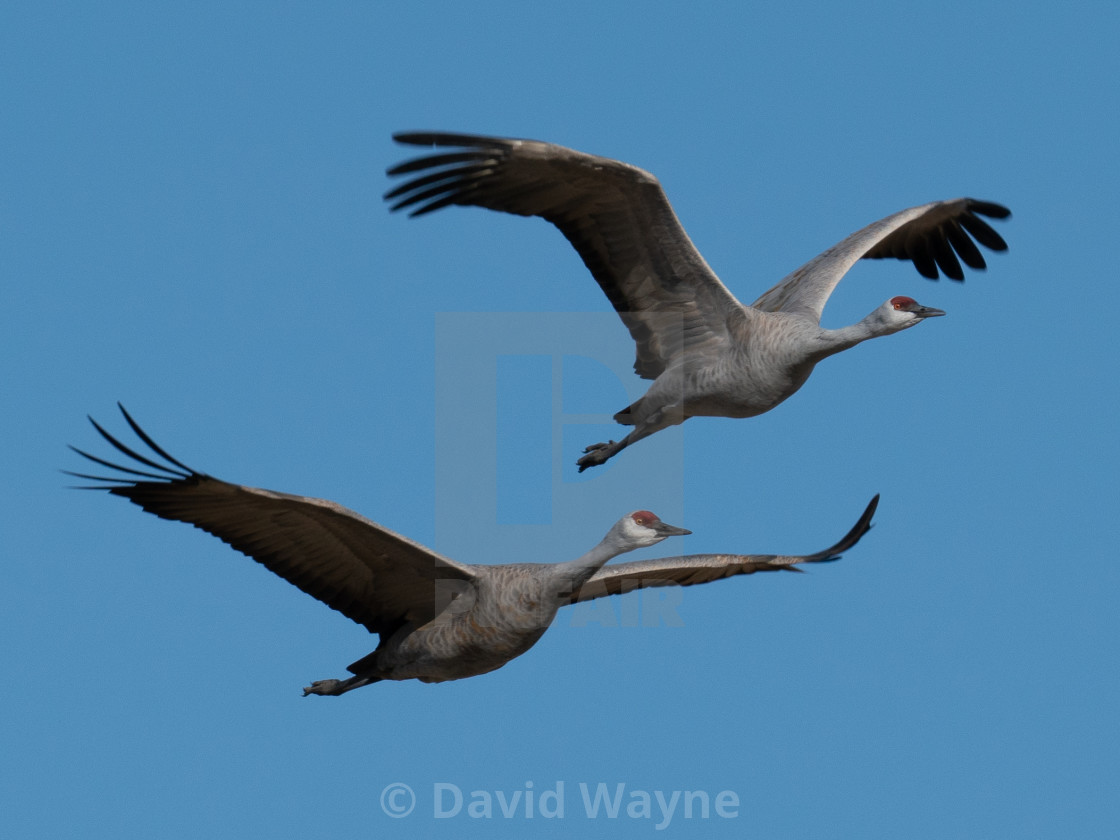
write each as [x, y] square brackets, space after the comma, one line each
[335, 687]
[600, 453]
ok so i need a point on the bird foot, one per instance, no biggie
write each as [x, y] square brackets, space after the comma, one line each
[323, 687]
[596, 454]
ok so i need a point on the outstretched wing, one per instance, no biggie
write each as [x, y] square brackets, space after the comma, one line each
[368, 573]
[932, 236]
[621, 578]
[615, 215]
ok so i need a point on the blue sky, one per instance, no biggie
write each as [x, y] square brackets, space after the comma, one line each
[191, 223]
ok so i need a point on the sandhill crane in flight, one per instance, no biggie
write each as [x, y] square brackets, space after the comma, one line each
[437, 619]
[707, 353]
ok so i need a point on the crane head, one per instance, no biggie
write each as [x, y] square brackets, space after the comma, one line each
[643, 527]
[901, 312]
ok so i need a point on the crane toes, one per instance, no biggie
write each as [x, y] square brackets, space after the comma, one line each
[596, 454]
[323, 687]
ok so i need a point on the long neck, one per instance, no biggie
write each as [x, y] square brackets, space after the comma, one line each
[833, 341]
[579, 570]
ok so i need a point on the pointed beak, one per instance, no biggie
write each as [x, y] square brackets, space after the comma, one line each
[663, 529]
[927, 312]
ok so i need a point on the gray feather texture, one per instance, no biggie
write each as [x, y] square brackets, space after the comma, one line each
[707, 353]
[437, 619]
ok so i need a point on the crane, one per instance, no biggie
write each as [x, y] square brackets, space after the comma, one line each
[707, 353]
[437, 619]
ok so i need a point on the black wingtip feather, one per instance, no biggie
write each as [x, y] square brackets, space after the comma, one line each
[128, 476]
[431, 161]
[858, 530]
[448, 138]
[111, 465]
[982, 232]
[925, 265]
[938, 244]
[131, 453]
[432, 206]
[451, 175]
[836, 552]
[115, 485]
[945, 258]
[419, 196]
[140, 433]
[989, 209]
